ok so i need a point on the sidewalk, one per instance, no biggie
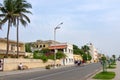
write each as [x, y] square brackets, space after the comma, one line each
[4, 73]
[20, 71]
[116, 70]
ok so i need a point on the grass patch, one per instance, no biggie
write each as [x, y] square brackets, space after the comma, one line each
[113, 64]
[111, 67]
[104, 75]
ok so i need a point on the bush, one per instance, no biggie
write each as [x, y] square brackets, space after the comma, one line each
[60, 55]
[44, 58]
[38, 55]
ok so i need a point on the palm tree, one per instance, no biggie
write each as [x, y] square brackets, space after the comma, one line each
[21, 10]
[13, 12]
[7, 15]
[114, 57]
[85, 48]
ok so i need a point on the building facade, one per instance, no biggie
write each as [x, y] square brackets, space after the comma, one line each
[40, 44]
[67, 49]
[12, 48]
[94, 53]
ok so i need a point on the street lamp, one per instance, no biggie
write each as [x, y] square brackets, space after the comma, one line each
[57, 27]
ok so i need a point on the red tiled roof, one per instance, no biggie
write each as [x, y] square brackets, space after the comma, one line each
[58, 47]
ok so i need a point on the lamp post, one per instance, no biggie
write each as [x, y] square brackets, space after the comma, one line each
[57, 27]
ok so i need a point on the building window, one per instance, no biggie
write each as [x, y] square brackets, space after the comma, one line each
[43, 45]
[69, 51]
[13, 47]
[69, 60]
[37, 46]
[40, 46]
[65, 49]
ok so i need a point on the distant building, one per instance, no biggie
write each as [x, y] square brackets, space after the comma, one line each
[67, 49]
[94, 53]
[40, 44]
[12, 47]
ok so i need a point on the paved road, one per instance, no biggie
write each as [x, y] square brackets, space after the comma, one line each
[67, 73]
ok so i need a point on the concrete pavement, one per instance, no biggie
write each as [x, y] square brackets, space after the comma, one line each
[4, 73]
[41, 69]
[116, 70]
[20, 71]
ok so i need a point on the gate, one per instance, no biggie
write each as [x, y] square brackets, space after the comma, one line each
[1, 64]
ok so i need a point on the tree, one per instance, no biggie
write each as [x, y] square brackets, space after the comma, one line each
[103, 62]
[89, 57]
[85, 48]
[21, 10]
[77, 50]
[13, 12]
[7, 15]
[84, 56]
[28, 47]
[114, 57]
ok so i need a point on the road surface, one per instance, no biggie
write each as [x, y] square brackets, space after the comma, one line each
[66, 73]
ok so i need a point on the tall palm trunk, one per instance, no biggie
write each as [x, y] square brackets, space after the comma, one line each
[17, 37]
[9, 23]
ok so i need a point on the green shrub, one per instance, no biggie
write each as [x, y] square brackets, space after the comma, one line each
[38, 55]
[44, 58]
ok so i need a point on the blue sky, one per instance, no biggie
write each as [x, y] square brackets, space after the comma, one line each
[84, 21]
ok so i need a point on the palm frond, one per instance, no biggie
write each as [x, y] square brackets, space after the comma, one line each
[2, 15]
[3, 10]
[26, 18]
[0, 4]
[23, 22]
[3, 21]
[27, 5]
[26, 11]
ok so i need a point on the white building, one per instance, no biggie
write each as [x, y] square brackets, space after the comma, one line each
[94, 53]
[67, 49]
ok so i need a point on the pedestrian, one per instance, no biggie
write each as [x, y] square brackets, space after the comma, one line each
[79, 62]
[75, 62]
[20, 66]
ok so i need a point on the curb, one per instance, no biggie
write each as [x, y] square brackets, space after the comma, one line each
[89, 76]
